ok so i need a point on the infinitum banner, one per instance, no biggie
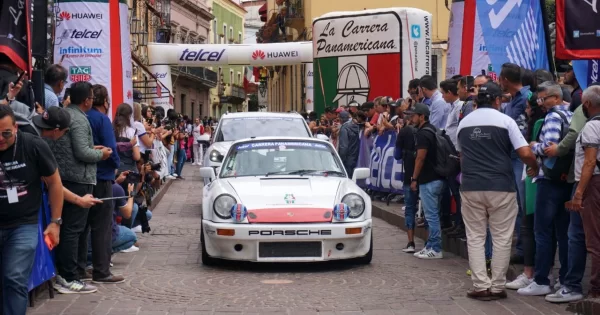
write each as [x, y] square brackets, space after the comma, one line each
[483, 35]
[92, 43]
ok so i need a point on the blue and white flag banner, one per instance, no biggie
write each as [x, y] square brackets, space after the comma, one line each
[586, 71]
[377, 153]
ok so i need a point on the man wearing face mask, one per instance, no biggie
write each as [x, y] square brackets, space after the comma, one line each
[586, 199]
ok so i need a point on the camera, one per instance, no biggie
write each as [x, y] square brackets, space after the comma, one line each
[133, 178]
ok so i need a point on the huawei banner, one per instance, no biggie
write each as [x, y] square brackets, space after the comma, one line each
[161, 93]
[483, 35]
[577, 29]
[92, 41]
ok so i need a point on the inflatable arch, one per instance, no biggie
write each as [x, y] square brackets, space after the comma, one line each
[355, 55]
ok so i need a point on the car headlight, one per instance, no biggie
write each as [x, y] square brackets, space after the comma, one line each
[356, 204]
[222, 206]
[216, 156]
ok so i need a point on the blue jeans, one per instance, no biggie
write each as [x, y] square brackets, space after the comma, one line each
[430, 194]
[17, 253]
[577, 252]
[488, 245]
[181, 158]
[518, 171]
[134, 212]
[550, 211]
[170, 167]
[124, 240]
[410, 201]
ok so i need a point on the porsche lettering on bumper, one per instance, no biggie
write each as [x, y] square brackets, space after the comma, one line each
[288, 232]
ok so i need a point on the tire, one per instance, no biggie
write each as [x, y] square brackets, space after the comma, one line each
[366, 259]
[206, 259]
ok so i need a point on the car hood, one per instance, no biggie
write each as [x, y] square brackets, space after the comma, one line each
[222, 147]
[280, 199]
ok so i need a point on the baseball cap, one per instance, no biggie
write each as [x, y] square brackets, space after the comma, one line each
[490, 90]
[353, 104]
[344, 115]
[52, 118]
[366, 106]
[567, 68]
[386, 100]
[419, 109]
[339, 110]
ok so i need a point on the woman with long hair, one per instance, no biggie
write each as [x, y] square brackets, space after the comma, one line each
[125, 133]
[145, 136]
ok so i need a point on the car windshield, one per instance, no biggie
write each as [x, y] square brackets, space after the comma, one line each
[233, 129]
[282, 158]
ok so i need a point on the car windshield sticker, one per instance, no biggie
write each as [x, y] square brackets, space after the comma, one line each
[289, 199]
[282, 145]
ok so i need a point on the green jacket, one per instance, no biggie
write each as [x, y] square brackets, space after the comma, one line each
[568, 143]
[74, 152]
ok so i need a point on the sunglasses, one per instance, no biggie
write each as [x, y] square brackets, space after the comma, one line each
[7, 134]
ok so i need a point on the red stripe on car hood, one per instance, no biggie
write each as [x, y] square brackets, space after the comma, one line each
[289, 215]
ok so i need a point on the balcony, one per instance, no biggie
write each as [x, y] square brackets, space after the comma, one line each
[288, 16]
[207, 77]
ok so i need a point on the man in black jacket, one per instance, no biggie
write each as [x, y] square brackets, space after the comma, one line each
[348, 142]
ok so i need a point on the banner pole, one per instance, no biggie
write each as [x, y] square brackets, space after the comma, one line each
[551, 63]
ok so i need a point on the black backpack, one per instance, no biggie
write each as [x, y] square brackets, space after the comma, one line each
[447, 162]
[560, 171]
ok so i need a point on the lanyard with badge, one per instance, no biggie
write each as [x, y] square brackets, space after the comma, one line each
[11, 191]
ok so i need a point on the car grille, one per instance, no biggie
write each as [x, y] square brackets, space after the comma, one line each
[289, 249]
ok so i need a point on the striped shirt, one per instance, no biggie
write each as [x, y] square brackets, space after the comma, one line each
[50, 98]
[551, 132]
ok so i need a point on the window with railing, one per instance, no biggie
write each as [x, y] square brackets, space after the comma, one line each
[224, 33]
[215, 31]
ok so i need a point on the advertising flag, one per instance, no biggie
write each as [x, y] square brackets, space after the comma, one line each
[15, 32]
[483, 35]
[586, 72]
[577, 29]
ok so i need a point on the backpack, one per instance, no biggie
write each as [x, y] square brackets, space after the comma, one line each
[446, 157]
[562, 166]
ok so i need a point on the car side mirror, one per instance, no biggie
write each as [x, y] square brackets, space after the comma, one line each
[208, 172]
[360, 173]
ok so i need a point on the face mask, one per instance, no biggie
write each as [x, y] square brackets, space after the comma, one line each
[585, 112]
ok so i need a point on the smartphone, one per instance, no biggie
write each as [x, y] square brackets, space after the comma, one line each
[133, 177]
[67, 93]
[19, 78]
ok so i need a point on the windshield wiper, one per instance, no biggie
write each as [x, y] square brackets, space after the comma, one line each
[296, 172]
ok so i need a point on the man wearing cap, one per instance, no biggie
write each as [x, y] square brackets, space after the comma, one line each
[348, 142]
[25, 161]
[353, 107]
[571, 80]
[430, 183]
[486, 140]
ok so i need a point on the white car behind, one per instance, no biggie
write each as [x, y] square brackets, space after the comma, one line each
[285, 200]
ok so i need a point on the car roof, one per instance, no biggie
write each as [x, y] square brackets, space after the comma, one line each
[260, 114]
[282, 139]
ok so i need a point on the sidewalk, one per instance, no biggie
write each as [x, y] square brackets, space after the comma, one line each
[394, 215]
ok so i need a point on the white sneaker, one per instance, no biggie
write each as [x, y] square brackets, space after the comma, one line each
[170, 177]
[564, 295]
[431, 254]
[137, 229]
[535, 289]
[521, 282]
[421, 252]
[131, 249]
[557, 285]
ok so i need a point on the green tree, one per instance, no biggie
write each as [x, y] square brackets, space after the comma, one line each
[551, 10]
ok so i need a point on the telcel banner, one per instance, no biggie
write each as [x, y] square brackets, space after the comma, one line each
[237, 54]
[360, 55]
[92, 43]
[483, 35]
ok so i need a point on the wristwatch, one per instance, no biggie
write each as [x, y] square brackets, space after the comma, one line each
[57, 221]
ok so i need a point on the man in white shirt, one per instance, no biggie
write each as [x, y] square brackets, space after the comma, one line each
[200, 137]
[450, 94]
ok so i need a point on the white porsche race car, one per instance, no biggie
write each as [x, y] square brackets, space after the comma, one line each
[285, 200]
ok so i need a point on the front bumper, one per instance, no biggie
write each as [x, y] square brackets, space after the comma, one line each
[246, 241]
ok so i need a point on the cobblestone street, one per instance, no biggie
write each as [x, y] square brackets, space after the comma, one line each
[167, 277]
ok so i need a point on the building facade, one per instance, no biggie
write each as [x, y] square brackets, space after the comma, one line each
[227, 27]
[291, 20]
[190, 24]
